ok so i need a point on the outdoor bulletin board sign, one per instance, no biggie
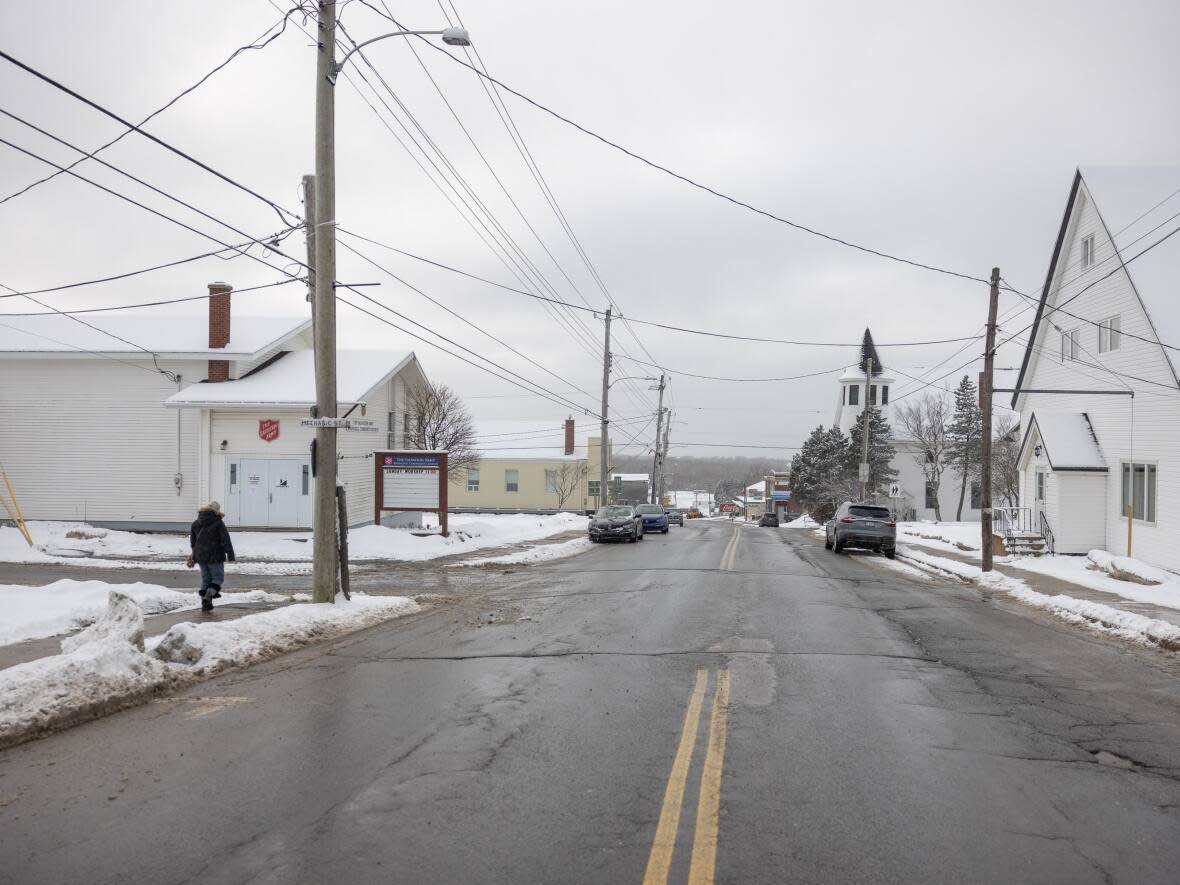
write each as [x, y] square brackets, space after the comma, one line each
[411, 480]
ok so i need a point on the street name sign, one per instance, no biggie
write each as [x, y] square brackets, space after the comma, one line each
[362, 424]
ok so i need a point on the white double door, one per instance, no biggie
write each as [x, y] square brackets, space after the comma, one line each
[270, 492]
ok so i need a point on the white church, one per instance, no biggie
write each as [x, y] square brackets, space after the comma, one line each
[917, 496]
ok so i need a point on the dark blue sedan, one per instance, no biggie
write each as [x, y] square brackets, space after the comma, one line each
[654, 518]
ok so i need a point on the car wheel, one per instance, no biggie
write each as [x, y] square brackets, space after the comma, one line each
[837, 547]
[890, 553]
[642, 532]
[827, 542]
[664, 532]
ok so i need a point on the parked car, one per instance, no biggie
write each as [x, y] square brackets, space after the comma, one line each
[769, 519]
[693, 513]
[675, 517]
[616, 522]
[654, 518]
[866, 526]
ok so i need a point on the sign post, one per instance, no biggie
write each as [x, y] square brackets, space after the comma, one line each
[413, 481]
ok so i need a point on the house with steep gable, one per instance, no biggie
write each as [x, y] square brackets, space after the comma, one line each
[1099, 385]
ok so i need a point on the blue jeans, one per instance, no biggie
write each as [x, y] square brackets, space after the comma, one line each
[212, 575]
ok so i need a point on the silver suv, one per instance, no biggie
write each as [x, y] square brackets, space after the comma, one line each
[867, 526]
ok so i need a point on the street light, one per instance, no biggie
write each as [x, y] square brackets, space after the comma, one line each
[325, 555]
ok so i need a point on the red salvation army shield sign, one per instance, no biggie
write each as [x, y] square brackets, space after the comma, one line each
[268, 429]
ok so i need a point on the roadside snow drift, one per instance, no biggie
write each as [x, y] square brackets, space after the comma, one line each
[108, 666]
[275, 552]
[64, 606]
[541, 553]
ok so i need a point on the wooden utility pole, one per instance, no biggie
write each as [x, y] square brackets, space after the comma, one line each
[864, 432]
[603, 497]
[985, 401]
[325, 555]
[655, 460]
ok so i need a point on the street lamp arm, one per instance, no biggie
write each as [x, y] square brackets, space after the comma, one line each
[451, 36]
[631, 378]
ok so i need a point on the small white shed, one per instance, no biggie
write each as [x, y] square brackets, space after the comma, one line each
[1063, 477]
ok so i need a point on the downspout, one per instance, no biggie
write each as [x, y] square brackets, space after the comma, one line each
[178, 480]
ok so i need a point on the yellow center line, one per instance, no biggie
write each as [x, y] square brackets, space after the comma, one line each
[704, 843]
[660, 859]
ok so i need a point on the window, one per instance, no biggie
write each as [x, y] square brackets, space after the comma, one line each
[233, 474]
[1070, 345]
[931, 496]
[1088, 252]
[872, 394]
[406, 427]
[976, 495]
[1110, 334]
[551, 481]
[306, 479]
[1139, 481]
[884, 394]
[869, 512]
[592, 488]
[391, 431]
[511, 480]
[473, 479]
[853, 394]
[1041, 486]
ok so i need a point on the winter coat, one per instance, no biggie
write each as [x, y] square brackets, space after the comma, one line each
[209, 539]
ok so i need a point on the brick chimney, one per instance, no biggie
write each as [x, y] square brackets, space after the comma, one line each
[219, 328]
[569, 436]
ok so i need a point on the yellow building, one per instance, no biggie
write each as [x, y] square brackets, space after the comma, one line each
[526, 468]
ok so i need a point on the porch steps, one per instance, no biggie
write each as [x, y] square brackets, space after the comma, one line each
[1025, 544]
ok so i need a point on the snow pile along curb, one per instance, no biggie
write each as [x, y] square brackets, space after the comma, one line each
[540, 553]
[106, 667]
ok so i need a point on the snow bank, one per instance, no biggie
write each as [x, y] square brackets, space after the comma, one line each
[541, 553]
[803, 522]
[1126, 569]
[274, 552]
[1097, 572]
[963, 536]
[64, 606]
[106, 667]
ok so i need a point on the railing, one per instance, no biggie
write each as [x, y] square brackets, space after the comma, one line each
[1014, 520]
[1046, 531]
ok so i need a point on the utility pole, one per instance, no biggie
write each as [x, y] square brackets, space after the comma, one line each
[655, 461]
[985, 396]
[664, 455]
[603, 497]
[864, 433]
[325, 561]
[309, 231]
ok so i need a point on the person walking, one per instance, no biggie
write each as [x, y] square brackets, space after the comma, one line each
[211, 548]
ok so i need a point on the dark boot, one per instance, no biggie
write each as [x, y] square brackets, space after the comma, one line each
[215, 591]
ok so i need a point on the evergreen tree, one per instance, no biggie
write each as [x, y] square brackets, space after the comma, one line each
[965, 437]
[868, 351]
[805, 469]
[881, 473]
[836, 484]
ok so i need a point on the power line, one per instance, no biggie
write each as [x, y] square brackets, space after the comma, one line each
[131, 126]
[159, 303]
[261, 42]
[743, 380]
[693, 183]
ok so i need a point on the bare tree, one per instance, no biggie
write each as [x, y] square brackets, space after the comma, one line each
[925, 422]
[1006, 460]
[570, 476]
[440, 421]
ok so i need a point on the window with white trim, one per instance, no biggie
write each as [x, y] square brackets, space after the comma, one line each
[391, 431]
[1088, 252]
[473, 479]
[1070, 345]
[853, 394]
[1139, 483]
[931, 496]
[1110, 334]
[976, 495]
[592, 488]
[551, 481]
[511, 480]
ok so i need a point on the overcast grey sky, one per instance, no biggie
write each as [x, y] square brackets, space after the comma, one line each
[947, 132]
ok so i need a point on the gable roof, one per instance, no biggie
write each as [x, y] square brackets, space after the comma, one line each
[177, 336]
[290, 381]
[1069, 440]
[1136, 205]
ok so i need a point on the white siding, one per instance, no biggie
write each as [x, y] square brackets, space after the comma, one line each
[91, 439]
[913, 483]
[1156, 426]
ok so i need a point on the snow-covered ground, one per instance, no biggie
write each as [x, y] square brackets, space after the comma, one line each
[64, 606]
[109, 665]
[274, 552]
[1095, 572]
[538, 553]
[803, 522]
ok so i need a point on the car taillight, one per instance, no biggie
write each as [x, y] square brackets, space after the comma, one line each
[891, 524]
[846, 519]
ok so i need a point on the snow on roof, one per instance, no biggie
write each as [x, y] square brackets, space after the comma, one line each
[1122, 194]
[532, 440]
[156, 333]
[1068, 439]
[290, 381]
[853, 373]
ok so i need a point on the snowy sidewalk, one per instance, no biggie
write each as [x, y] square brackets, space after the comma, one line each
[1055, 586]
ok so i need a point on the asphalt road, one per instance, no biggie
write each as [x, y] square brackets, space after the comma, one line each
[692, 708]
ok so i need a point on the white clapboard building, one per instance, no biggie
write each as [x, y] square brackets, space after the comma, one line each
[1107, 326]
[136, 419]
